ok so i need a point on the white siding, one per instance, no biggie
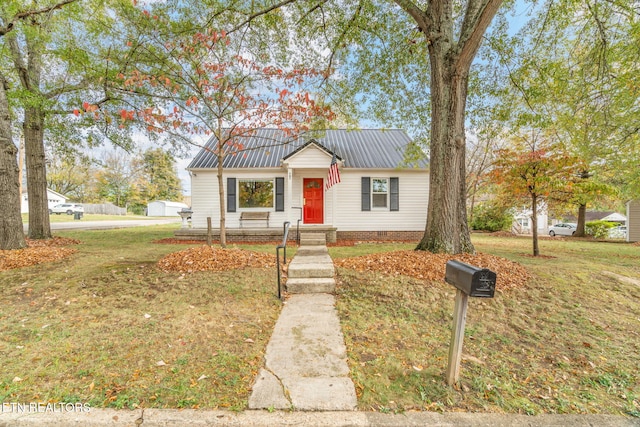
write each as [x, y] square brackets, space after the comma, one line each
[164, 208]
[413, 195]
[52, 200]
[310, 157]
[342, 203]
[633, 221]
[204, 193]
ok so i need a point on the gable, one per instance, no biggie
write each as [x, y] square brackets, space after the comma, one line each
[309, 156]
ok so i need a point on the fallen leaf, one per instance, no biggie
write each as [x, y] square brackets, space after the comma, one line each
[160, 363]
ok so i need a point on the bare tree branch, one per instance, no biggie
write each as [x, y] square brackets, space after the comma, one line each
[255, 15]
[23, 15]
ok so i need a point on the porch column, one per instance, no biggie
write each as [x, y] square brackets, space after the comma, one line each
[289, 198]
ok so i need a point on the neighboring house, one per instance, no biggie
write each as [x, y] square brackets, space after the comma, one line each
[165, 208]
[377, 197]
[633, 220]
[600, 216]
[523, 223]
[53, 199]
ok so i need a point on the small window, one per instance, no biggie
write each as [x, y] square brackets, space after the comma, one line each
[255, 193]
[380, 192]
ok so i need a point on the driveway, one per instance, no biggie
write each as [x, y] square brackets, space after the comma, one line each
[106, 225]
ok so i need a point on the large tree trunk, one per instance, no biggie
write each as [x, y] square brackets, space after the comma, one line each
[39, 226]
[447, 230]
[29, 67]
[11, 232]
[582, 220]
[534, 224]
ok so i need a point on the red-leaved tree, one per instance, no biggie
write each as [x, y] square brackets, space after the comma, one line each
[209, 85]
[535, 171]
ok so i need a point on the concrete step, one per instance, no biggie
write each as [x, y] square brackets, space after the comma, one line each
[311, 285]
[310, 270]
[313, 239]
[312, 258]
[311, 250]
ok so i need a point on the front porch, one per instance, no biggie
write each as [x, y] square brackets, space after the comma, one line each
[270, 234]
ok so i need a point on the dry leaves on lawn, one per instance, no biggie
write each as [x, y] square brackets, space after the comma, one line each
[37, 252]
[429, 266]
[205, 258]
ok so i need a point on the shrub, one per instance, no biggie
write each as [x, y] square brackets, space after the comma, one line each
[598, 229]
[491, 217]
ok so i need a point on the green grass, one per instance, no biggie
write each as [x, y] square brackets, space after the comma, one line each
[106, 327]
[94, 327]
[567, 343]
[92, 217]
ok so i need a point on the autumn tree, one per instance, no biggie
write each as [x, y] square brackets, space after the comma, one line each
[116, 177]
[210, 84]
[537, 172]
[53, 57]
[160, 179]
[72, 176]
[575, 70]
[436, 38]
[13, 15]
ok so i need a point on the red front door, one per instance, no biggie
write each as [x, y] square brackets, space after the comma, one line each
[313, 202]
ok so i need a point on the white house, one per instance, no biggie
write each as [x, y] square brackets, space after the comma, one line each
[274, 179]
[523, 221]
[633, 220]
[53, 199]
[165, 208]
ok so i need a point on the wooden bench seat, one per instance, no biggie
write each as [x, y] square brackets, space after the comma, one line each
[254, 216]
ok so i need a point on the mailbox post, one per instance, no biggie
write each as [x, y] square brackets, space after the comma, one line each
[469, 281]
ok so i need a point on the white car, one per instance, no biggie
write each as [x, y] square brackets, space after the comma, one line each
[563, 229]
[619, 232]
[68, 208]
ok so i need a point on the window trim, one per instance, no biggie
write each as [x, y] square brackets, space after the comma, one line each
[386, 193]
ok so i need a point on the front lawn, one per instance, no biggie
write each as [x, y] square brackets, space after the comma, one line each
[107, 327]
[567, 342]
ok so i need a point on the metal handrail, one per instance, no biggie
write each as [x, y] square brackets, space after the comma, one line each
[298, 226]
[283, 245]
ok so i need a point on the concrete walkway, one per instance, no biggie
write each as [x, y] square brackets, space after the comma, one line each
[306, 358]
[200, 418]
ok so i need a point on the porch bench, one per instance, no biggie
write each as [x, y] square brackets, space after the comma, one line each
[254, 216]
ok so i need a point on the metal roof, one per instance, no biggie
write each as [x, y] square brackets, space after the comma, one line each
[363, 149]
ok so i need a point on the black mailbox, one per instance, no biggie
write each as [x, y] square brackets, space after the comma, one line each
[473, 281]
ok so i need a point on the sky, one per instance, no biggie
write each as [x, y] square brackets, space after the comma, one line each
[517, 20]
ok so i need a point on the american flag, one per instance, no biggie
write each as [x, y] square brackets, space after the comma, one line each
[334, 174]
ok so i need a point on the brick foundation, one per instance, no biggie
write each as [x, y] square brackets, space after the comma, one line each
[275, 235]
[375, 236]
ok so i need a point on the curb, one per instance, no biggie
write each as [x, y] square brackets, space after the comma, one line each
[96, 417]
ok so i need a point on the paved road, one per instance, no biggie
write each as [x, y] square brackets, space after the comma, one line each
[105, 225]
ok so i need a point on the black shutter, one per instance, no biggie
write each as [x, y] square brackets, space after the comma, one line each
[366, 193]
[394, 203]
[279, 194]
[231, 194]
